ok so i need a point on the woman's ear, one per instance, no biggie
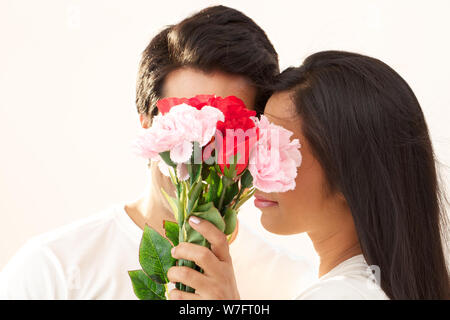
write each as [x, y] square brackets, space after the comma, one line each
[145, 121]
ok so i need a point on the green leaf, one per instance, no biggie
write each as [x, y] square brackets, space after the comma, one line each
[179, 189]
[225, 170]
[226, 182]
[214, 183]
[204, 207]
[217, 167]
[193, 236]
[230, 218]
[246, 179]
[173, 177]
[166, 157]
[230, 172]
[230, 192]
[194, 167]
[172, 231]
[209, 213]
[212, 215]
[154, 255]
[173, 203]
[194, 171]
[205, 171]
[194, 195]
[144, 288]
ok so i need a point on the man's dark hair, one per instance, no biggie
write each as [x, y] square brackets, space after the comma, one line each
[217, 38]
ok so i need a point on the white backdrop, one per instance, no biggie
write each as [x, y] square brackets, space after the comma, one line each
[67, 85]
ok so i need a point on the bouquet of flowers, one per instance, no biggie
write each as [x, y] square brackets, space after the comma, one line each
[216, 152]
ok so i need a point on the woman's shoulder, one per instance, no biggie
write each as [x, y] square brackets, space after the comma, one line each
[343, 288]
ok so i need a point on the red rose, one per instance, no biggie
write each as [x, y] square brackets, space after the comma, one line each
[237, 116]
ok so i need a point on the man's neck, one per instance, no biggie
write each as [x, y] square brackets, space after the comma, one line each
[149, 210]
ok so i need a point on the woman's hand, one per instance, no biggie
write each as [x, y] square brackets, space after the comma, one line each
[217, 281]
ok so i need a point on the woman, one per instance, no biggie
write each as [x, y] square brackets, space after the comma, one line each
[366, 193]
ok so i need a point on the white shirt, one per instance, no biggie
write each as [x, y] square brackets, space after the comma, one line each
[352, 279]
[89, 259]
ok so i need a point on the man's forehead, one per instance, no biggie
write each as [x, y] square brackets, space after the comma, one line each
[189, 82]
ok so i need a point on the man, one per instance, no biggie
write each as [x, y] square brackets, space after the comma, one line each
[216, 51]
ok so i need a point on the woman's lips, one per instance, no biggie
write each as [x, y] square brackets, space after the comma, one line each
[261, 202]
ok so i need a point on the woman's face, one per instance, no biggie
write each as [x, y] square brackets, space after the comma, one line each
[308, 207]
[189, 82]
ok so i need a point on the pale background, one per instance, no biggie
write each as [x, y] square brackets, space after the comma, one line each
[67, 85]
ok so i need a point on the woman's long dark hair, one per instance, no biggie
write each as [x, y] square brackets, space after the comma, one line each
[367, 130]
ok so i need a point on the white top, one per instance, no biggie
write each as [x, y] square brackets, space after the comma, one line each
[352, 279]
[89, 259]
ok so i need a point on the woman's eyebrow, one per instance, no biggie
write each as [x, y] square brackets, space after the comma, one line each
[290, 119]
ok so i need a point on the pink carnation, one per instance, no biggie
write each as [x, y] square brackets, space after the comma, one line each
[275, 158]
[176, 130]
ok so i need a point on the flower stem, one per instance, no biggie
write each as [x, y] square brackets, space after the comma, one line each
[225, 184]
[237, 197]
[222, 196]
